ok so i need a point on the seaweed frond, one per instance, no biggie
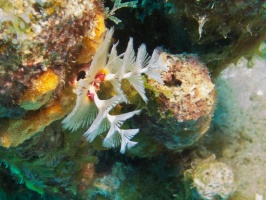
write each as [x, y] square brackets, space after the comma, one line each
[118, 5]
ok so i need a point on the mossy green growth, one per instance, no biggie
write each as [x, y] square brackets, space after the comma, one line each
[33, 187]
[30, 185]
[118, 5]
[16, 172]
[149, 85]
[262, 49]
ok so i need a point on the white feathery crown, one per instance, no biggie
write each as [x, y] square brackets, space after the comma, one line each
[92, 112]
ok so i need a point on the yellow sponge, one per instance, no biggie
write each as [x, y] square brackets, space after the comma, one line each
[40, 91]
[92, 40]
[19, 130]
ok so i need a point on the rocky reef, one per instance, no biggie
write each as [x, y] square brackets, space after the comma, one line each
[75, 88]
[41, 46]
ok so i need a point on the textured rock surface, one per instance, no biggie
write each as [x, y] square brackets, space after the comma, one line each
[220, 32]
[211, 179]
[43, 45]
[39, 35]
[179, 111]
[46, 45]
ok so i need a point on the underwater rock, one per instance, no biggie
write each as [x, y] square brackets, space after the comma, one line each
[43, 47]
[211, 179]
[110, 184]
[180, 104]
[40, 35]
[43, 44]
[220, 31]
[180, 110]
[51, 163]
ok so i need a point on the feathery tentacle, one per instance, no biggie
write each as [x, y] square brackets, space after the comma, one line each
[92, 112]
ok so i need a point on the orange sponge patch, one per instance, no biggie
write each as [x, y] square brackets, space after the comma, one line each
[92, 41]
[40, 92]
[46, 82]
[34, 122]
